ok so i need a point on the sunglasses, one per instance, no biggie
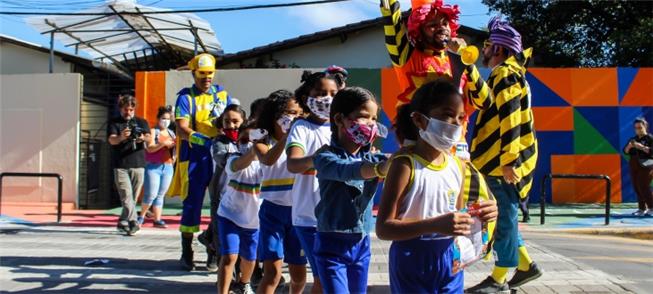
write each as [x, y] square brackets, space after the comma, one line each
[487, 43]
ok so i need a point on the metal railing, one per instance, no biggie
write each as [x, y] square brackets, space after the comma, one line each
[38, 175]
[607, 179]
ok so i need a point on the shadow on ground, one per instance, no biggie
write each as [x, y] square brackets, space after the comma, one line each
[131, 275]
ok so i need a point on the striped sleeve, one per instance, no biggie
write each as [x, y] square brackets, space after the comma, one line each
[476, 89]
[396, 39]
[507, 91]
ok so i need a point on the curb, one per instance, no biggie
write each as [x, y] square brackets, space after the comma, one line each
[630, 232]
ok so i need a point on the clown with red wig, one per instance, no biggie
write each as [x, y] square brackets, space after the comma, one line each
[422, 50]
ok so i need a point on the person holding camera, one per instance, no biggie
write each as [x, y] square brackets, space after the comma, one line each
[640, 149]
[127, 134]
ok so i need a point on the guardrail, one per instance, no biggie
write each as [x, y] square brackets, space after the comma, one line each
[581, 177]
[38, 175]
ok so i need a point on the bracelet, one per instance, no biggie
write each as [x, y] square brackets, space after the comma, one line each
[377, 172]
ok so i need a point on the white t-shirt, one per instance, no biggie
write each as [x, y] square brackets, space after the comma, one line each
[433, 190]
[277, 181]
[305, 193]
[240, 202]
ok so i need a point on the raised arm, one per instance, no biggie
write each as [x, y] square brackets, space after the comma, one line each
[476, 89]
[396, 38]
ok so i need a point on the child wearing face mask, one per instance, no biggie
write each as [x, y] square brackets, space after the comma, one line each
[278, 241]
[348, 174]
[158, 170]
[423, 190]
[238, 224]
[222, 147]
[305, 137]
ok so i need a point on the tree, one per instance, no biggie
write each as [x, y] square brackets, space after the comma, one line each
[594, 33]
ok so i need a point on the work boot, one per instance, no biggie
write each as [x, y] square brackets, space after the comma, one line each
[186, 259]
[133, 228]
[522, 277]
[489, 285]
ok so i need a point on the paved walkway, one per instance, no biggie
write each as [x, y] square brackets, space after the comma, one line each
[51, 258]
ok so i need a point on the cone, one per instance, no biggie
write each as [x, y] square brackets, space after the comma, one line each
[468, 54]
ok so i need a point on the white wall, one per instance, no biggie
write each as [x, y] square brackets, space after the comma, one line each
[245, 84]
[39, 132]
[362, 49]
[16, 59]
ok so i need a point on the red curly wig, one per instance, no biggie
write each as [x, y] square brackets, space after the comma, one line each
[421, 9]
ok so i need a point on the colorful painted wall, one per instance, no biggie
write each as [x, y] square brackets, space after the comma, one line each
[583, 118]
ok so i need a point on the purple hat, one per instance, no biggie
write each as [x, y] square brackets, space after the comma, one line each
[503, 34]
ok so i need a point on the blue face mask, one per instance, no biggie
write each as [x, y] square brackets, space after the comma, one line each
[441, 135]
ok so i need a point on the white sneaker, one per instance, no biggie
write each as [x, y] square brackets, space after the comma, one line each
[647, 212]
[639, 212]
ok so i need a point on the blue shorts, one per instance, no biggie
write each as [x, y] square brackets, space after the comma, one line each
[423, 266]
[343, 261]
[237, 240]
[306, 237]
[277, 239]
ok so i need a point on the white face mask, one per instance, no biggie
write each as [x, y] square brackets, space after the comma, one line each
[285, 121]
[441, 135]
[320, 106]
[164, 123]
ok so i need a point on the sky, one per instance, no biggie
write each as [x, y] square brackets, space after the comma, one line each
[237, 30]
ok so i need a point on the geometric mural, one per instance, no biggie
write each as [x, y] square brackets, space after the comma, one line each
[583, 118]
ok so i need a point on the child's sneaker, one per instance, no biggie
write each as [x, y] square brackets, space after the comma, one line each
[160, 224]
[242, 288]
[139, 220]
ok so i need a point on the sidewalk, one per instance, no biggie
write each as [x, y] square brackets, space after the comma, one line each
[40, 258]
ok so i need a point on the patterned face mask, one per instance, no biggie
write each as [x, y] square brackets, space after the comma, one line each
[320, 106]
[285, 121]
[362, 133]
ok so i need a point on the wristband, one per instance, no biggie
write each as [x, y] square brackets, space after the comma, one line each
[377, 172]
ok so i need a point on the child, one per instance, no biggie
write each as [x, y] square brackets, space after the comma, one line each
[223, 145]
[237, 215]
[418, 205]
[348, 174]
[278, 241]
[304, 138]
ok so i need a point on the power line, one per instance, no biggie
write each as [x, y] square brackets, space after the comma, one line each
[222, 9]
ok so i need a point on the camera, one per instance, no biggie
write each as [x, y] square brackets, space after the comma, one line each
[136, 131]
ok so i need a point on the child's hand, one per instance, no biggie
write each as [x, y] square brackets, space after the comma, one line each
[486, 210]
[458, 223]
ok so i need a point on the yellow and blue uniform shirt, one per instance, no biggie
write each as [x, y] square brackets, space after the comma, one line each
[194, 167]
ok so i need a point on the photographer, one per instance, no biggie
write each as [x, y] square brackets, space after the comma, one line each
[126, 136]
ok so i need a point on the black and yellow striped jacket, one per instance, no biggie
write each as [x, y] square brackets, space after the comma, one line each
[416, 67]
[504, 134]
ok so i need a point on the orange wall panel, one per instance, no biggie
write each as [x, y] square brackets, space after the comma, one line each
[594, 87]
[586, 191]
[390, 90]
[556, 79]
[150, 94]
[553, 118]
[640, 92]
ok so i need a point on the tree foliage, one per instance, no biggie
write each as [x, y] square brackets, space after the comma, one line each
[596, 33]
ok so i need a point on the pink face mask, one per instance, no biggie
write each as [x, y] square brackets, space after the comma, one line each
[361, 133]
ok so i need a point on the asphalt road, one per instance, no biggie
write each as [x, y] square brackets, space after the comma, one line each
[629, 258]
